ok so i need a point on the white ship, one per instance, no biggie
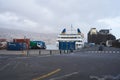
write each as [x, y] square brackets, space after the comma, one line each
[71, 39]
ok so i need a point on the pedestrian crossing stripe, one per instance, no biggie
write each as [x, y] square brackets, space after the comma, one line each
[103, 51]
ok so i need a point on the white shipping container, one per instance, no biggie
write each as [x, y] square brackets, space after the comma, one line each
[3, 45]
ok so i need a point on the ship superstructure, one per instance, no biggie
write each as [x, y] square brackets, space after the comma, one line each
[70, 40]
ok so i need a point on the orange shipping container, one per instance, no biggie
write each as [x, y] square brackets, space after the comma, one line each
[27, 41]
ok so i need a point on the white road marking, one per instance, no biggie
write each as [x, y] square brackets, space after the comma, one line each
[105, 77]
[61, 77]
[4, 66]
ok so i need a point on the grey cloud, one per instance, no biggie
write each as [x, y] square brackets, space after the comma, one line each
[53, 15]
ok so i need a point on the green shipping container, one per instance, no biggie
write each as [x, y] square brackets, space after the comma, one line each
[37, 45]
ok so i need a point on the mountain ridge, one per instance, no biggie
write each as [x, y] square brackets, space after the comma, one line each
[9, 34]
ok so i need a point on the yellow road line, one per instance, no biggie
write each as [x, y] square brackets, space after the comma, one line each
[47, 75]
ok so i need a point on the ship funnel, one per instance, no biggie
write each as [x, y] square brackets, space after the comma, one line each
[64, 31]
[78, 31]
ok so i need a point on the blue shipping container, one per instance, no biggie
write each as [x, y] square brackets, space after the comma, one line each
[16, 46]
[66, 45]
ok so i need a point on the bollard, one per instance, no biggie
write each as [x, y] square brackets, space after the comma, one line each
[67, 51]
[118, 52]
[39, 52]
[27, 52]
[71, 50]
[113, 51]
[50, 52]
[60, 51]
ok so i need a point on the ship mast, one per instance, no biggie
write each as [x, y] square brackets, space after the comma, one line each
[71, 28]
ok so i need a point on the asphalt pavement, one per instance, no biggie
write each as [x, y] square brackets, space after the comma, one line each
[84, 65]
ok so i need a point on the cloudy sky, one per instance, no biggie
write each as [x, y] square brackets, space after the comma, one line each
[51, 16]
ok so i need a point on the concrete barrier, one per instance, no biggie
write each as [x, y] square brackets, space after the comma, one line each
[35, 52]
[54, 52]
[46, 52]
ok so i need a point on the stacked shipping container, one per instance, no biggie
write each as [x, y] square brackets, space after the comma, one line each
[27, 41]
[16, 46]
[21, 44]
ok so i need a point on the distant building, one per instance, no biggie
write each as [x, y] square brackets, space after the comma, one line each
[116, 43]
[100, 37]
[92, 35]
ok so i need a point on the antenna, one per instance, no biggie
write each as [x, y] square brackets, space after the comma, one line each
[71, 28]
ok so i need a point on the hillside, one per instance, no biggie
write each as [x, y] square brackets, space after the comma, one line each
[9, 34]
